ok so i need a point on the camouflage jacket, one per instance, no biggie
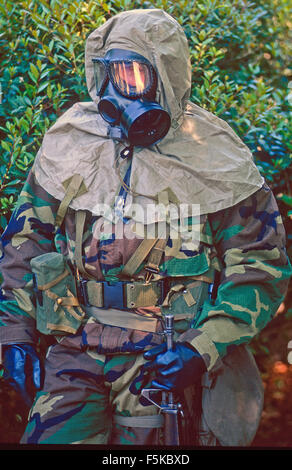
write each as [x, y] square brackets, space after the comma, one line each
[247, 241]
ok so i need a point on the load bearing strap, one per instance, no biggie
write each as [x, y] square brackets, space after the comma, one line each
[138, 256]
[80, 219]
[74, 187]
[154, 247]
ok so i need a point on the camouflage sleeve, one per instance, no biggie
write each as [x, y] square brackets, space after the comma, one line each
[30, 232]
[250, 241]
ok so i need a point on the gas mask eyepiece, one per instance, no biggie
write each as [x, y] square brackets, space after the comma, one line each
[126, 83]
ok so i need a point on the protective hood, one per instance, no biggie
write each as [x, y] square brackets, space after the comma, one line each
[200, 161]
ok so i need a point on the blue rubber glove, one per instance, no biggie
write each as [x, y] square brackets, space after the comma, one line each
[22, 370]
[174, 369]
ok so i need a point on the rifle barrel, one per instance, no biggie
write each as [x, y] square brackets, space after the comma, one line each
[169, 329]
[172, 411]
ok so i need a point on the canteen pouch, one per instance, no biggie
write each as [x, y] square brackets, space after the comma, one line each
[57, 307]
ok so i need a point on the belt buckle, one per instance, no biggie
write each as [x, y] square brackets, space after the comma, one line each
[164, 288]
[113, 295]
[83, 291]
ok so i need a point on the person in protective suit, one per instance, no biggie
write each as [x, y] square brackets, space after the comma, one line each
[99, 249]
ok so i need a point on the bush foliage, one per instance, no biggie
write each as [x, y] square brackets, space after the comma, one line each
[239, 51]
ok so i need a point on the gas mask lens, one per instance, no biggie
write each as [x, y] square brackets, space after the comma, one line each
[100, 74]
[130, 78]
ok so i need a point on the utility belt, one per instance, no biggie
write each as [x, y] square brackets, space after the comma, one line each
[130, 304]
[115, 303]
[66, 294]
[122, 295]
[127, 295]
[64, 301]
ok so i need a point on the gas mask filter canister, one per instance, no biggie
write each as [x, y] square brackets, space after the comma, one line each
[126, 83]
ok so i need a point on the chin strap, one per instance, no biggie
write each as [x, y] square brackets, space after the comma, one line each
[125, 154]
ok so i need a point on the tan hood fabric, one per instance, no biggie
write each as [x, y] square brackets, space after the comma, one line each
[200, 161]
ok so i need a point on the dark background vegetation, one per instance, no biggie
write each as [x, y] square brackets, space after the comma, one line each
[240, 53]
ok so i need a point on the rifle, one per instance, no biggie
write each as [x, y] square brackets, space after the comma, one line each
[172, 411]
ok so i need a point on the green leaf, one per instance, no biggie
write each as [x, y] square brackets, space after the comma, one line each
[43, 86]
[49, 91]
[6, 145]
[285, 198]
[34, 71]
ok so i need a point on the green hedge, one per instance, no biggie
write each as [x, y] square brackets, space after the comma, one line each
[239, 52]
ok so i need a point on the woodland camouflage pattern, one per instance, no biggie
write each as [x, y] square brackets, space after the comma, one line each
[246, 242]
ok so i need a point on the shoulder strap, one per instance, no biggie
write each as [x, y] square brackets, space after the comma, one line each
[138, 256]
[155, 256]
[74, 186]
[154, 246]
[80, 217]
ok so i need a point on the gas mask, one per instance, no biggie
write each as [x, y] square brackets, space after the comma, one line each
[126, 83]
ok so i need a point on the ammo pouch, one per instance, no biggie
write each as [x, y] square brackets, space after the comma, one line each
[185, 299]
[57, 311]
